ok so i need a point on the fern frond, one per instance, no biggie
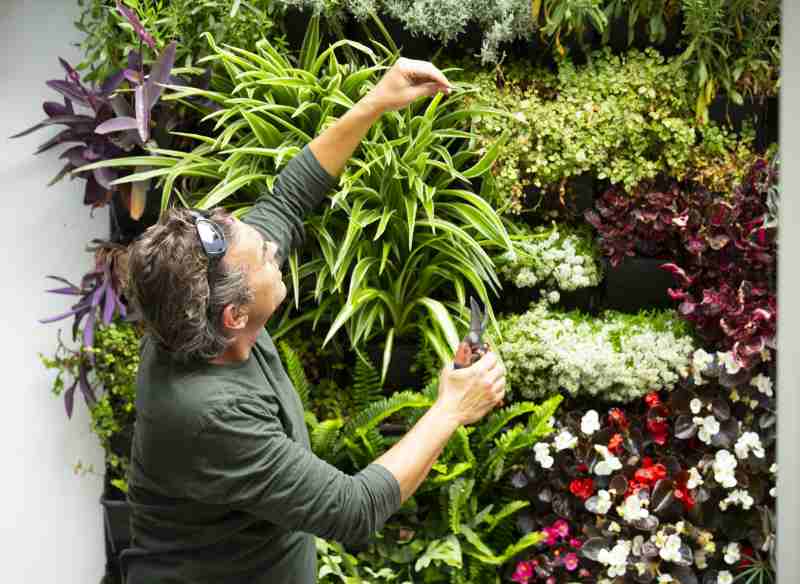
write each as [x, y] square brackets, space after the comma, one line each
[506, 511]
[448, 475]
[527, 541]
[480, 550]
[500, 419]
[375, 413]
[458, 498]
[539, 422]
[366, 388]
[324, 438]
[297, 375]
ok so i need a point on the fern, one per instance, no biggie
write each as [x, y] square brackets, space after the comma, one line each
[378, 411]
[297, 375]
[515, 439]
[458, 498]
[539, 422]
[507, 510]
[366, 388]
[325, 438]
[500, 419]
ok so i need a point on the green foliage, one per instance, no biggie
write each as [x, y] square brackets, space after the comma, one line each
[367, 387]
[623, 118]
[116, 361]
[400, 241]
[615, 356]
[297, 375]
[109, 37]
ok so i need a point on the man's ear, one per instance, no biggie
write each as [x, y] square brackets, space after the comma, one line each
[234, 317]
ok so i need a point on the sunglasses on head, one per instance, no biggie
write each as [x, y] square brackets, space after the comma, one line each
[210, 234]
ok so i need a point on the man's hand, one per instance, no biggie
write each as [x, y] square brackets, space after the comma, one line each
[469, 394]
[404, 82]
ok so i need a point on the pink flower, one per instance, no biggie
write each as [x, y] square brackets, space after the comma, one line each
[523, 573]
[575, 542]
[552, 535]
[561, 527]
[571, 561]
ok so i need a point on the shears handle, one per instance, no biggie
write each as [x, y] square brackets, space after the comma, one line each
[469, 353]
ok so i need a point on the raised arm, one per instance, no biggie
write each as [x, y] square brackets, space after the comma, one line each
[404, 82]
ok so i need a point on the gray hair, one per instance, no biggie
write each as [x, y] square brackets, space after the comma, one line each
[180, 297]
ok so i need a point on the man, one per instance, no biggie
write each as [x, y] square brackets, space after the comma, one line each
[223, 485]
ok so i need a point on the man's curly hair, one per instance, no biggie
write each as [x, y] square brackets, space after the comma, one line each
[180, 298]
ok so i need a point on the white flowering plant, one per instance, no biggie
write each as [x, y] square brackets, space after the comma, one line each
[614, 356]
[646, 498]
[555, 257]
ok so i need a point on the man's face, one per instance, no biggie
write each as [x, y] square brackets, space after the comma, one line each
[258, 256]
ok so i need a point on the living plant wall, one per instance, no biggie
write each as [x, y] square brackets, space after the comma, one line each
[604, 178]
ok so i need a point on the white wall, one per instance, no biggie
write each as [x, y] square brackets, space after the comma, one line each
[51, 527]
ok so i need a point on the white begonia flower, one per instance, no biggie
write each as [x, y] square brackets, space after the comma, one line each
[724, 577]
[724, 467]
[603, 502]
[541, 452]
[633, 509]
[707, 428]
[773, 492]
[695, 478]
[695, 405]
[700, 360]
[774, 468]
[700, 559]
[671, 552]
[590, 422]
[747, 443]
[614, 527]
[732, 554]
[663, 578]
[553, 296]
[728, 361]
[738, 497]
[564, 440]
[609, 464]
[616, 559]
[763, 384]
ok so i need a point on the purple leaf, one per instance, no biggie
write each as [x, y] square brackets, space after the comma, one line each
[75, 155]
[94, 193]
[68, 167]
[86, 389]
[62, 137]
[134, 76]
[67, 290]
[123, 312]
[121, 106]
[159, 74]
[105, 176]
[131, 17]
[62, 316]
[69, 398]
[116, 125]
[110, 85]
[67, 120]
[134, 60]
[71, 73]
[88, 330]
[142, 112]
[69, 90]
[53, 108]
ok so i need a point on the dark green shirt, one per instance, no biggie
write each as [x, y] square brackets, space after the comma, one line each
[223, 486]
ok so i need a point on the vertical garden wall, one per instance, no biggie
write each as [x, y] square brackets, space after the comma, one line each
[603, 178]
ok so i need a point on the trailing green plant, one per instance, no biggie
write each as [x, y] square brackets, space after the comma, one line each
[734, 46]
[571, 18]
[614, 356]
[554, 257]
[114, 361]
[109, 38]
[402, 237]
[654, 15]
[622, 118]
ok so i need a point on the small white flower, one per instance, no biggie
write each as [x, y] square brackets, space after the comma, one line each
[590, 422]
[700, 559]
[663, 578]
[729, 362]
[609, 464]
[724, 467]
[773, 492]
[616, 559]
[695, 478]
[632, 509]
[603, 501]
[738, 497]
[700, 360]
[724, 577]
[732, 554]
[564, 440]
[541, 452]
[774, 468]
[671, 552]
[614, 527]
[553, 297]
[747, 443]
[695, 405]
[763, 384]
[707, 428]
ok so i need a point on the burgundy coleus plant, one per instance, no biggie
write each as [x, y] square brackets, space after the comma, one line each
[723, 251]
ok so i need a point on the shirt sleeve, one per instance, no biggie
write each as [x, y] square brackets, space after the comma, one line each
[300, 187]
[246, 460]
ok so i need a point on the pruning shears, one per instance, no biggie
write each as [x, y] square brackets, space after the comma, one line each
[472, 347]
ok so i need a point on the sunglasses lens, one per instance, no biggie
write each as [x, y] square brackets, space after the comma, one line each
[211, 237]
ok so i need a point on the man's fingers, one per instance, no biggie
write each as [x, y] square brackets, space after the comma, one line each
[423, 72]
